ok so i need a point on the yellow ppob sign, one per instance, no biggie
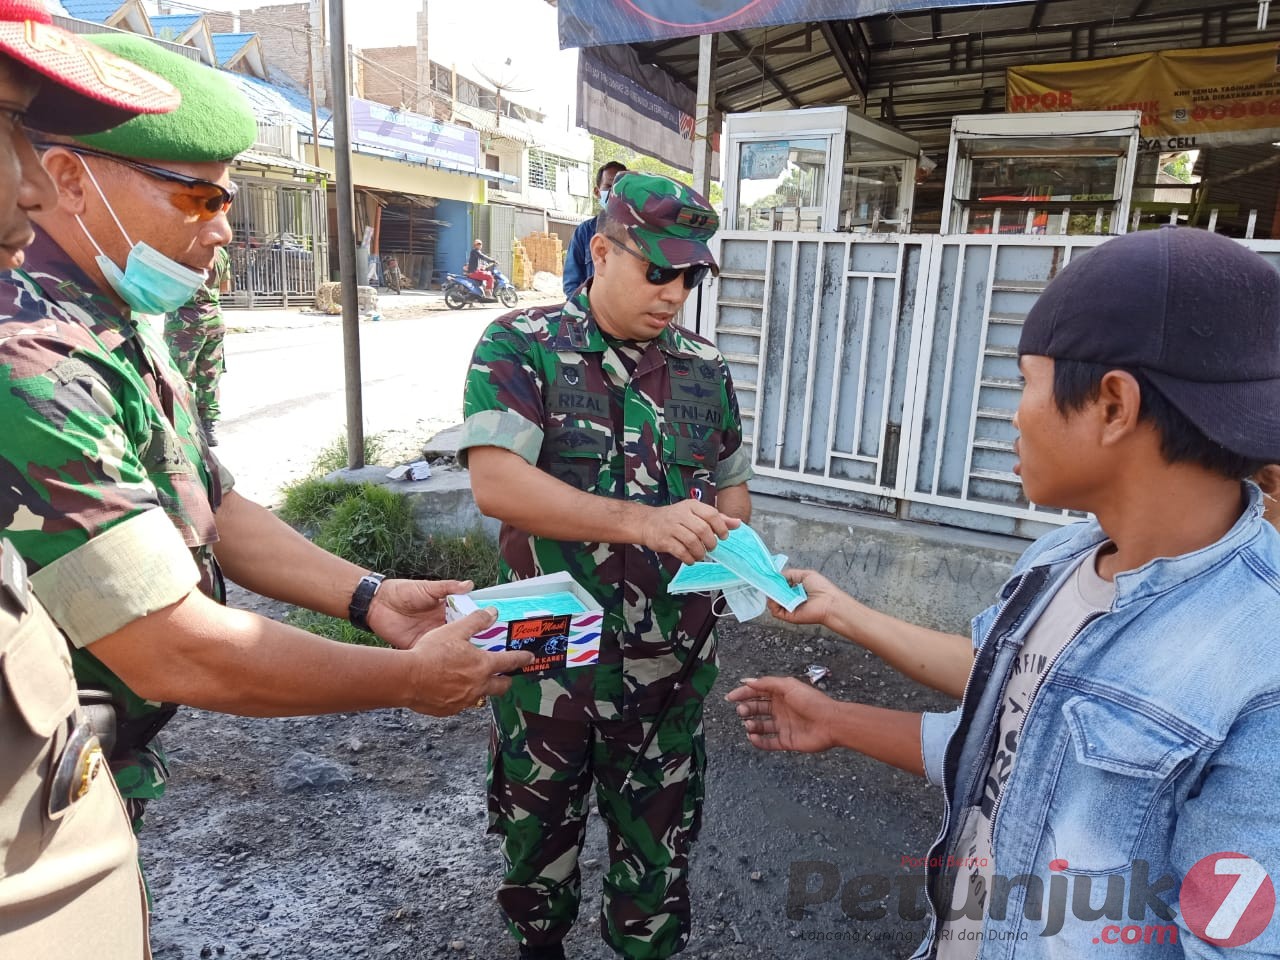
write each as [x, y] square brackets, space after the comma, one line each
[1188, 98]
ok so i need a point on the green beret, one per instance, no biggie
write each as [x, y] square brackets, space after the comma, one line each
[214, 122]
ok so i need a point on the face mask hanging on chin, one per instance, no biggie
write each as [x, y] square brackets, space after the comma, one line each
[150, 283]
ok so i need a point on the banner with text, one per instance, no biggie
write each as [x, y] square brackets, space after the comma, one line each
[1189, 99]
[614, 104]
[587, 23]
[411, 134]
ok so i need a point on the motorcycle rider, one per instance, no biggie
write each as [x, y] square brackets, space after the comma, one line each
[475, 268]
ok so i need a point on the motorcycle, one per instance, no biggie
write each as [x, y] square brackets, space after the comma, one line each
[461, 291]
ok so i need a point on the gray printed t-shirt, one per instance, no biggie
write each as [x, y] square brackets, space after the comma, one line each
[1083, 595]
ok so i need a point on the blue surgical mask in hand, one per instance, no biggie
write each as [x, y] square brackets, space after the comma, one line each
[745, 602]
[744, 595]
[745, 554]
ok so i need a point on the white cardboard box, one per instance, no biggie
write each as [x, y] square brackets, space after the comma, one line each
[580, 635]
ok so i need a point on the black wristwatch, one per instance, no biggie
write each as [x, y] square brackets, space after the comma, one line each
[358, 610]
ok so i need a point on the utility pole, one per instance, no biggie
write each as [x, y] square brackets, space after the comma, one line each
[344, 194]
[311, 90]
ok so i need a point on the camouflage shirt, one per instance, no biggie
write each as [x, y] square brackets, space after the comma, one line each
[106, 485]
[209, 295]
[653, 423]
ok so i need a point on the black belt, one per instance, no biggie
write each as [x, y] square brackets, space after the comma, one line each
[119, 733]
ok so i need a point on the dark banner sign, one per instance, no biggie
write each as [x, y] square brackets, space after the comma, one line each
[588, 23]
[638, 107]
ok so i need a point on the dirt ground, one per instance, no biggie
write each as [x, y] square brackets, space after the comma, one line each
[390, 859]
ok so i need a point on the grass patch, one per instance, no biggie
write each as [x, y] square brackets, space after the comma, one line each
[310, 502]
[472, 556]
[334, 456]
[374, 527]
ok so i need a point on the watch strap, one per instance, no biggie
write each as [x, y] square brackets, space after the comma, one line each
[358, 609]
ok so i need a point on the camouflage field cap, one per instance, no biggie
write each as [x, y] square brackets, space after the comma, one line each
[669, 222]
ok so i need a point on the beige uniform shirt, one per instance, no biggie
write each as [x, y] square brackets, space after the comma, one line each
[69, 882]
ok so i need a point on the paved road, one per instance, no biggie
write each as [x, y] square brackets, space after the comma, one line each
[283, 395]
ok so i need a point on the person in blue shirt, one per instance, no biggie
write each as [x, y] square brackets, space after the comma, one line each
[577, 263]
[1119, 726]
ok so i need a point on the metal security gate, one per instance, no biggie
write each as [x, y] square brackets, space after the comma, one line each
[817, 334]
[959, 444]
[279, 250]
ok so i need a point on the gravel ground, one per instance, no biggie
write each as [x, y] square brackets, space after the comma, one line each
[390, 859]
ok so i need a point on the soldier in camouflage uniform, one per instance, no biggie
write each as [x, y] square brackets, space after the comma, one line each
[608, 441]
[195, 334]
[111, 494]
[69, 861]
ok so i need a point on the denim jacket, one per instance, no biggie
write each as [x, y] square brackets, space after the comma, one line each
[1153, 742]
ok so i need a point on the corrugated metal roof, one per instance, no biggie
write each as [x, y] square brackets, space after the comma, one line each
[917, 69]
[273, 160]
[275, 102]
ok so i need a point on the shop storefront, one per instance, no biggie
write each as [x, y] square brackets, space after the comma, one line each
[410, 173]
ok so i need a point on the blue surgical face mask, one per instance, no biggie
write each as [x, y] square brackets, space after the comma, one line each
[150, 283]
[745, 601]
[604, 198]
[745, 554]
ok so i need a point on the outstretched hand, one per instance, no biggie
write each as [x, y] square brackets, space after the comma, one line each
[782, 713]
[402, 610]
[686, 530]
[822, 594]
[451, 673]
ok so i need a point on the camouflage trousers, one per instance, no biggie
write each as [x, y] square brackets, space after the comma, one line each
[541, 771]
[197, 350]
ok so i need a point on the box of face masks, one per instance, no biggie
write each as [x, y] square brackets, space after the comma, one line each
[552, 616]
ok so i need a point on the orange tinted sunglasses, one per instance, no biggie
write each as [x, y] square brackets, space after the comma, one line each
[202, 200]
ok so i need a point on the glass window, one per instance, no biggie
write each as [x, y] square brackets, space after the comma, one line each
[1021, 185]
[782, 184]
[871, 195]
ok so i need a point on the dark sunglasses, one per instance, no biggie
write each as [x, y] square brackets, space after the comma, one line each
[661, 276]
[202, 200]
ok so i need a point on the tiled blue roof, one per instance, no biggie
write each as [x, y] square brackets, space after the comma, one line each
[95, 11]
[173, 25]
[227, 45]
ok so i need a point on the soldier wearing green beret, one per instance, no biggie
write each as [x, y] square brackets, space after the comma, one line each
[109, 491]
[608, 441]
[69, 860]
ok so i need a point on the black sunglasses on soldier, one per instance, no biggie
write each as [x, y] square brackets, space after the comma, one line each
[661, 276]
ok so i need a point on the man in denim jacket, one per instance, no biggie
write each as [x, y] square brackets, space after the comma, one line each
[1110, 776]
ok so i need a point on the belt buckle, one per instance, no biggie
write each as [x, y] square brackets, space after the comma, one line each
[78, 765]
